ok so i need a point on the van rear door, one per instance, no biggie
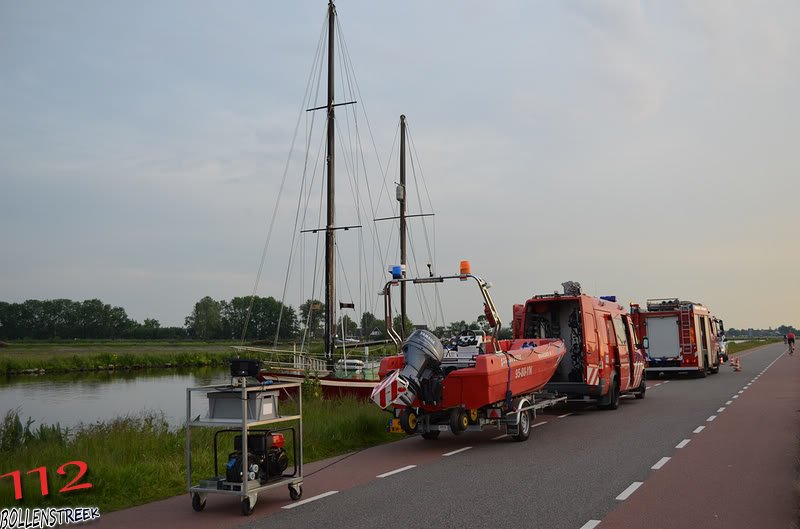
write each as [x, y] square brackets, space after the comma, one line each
[662, 335]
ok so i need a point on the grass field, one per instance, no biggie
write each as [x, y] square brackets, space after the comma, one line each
[139, 459]
[25, 357]
[737, 347]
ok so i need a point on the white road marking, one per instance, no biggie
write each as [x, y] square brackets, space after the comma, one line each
[741, 391]
[309, 500]
[454, 452]
[655, 386]
[403, 469]
[682, 443]
[729, 403]
[500, 437]
[699, 429]
[735, 397]
[661, 463]
[721, 409]
[565, 415]
[665, 382]
[538, 424]
[711, 418]
[630, 490]
[591, 524]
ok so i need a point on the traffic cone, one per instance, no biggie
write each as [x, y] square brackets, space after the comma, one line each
[736, 364]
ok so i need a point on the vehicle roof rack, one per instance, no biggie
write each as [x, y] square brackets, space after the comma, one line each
[655, 305]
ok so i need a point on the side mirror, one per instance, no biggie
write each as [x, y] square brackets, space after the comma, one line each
[646, 343]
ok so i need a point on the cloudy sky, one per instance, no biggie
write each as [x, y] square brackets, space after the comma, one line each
[645, 149]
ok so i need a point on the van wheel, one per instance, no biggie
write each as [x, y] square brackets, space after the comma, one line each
[642, 389]
[524, 426]
[611, 400]
[702, 373]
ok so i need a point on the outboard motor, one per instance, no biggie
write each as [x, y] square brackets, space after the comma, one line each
[421, 375]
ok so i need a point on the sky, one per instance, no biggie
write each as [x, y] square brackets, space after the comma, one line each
[644, 149]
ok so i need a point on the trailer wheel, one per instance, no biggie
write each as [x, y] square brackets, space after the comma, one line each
[611, 400]
[458, 421]
[524, 426]
[198, 503]
[408, 421]
[431, 436]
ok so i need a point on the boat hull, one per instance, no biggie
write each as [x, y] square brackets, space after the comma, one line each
[525, 367]
[331, 387]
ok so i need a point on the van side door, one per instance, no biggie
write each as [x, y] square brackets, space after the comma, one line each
[623, 352]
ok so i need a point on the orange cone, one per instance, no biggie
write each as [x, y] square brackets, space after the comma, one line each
[736, 364]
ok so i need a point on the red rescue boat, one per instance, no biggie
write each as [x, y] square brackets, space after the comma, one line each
[473, 381]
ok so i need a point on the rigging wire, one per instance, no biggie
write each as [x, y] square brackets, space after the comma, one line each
[277, 202]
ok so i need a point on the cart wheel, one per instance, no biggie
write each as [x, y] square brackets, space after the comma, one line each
[295, 492]
[247, 509]
[198, 503]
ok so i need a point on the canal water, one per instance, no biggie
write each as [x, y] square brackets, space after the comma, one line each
[74, 398]
[71, 399]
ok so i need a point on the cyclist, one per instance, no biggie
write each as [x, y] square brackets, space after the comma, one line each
[790, 341]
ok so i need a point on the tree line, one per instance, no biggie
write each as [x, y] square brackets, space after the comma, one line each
[209, 319]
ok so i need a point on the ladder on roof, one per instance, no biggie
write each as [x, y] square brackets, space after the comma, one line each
[686, 329]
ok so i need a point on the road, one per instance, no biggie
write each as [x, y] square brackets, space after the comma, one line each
[580, 466]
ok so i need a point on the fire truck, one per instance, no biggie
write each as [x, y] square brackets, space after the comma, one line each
[679, 336]
[604, 358]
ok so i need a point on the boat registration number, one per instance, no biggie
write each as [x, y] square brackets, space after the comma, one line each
[394, 426]
[523, 372]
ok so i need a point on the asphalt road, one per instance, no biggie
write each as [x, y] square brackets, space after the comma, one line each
[570, 472]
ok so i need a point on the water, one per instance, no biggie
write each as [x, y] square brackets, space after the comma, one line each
[73, 398]
[89, 397]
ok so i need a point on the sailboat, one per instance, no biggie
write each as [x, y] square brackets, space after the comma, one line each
[346, 376]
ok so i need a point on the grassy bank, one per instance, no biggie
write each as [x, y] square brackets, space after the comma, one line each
[135, 460]
[734, 348]
[61, 357]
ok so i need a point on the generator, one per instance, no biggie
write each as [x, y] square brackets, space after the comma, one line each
[266, 458]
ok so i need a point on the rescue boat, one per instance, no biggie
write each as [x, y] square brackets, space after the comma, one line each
[471, 381]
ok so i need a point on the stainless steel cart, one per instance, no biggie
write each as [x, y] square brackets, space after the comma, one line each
[258, 408]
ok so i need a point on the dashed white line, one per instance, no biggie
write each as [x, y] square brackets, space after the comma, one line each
[699, 429]
[538, 424]
[729, 403]
[741, 391]
[711, 418]
[661, 463]
[630, 490]
[665, 382]
[591, 524]
[721, 409]
[682, 443]
[735, 397]
[656, 385]
[565, 415]
[309, 500]
[454, 452]
[500, 437]
[395, 471]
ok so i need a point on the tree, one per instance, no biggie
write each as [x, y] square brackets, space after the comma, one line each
[316, 309]
[368, 324]
[205, 322]
[408, 325]
[350, 327]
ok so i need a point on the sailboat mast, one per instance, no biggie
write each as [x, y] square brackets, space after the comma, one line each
[401, 197]
[330, 298]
